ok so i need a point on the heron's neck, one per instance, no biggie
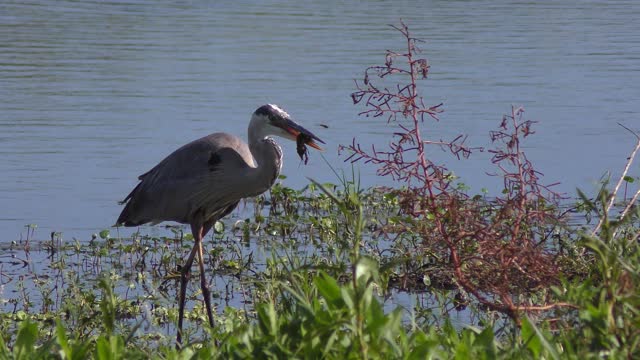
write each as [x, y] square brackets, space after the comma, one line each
[268, 157]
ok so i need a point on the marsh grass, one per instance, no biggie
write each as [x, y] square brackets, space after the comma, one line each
[307, 275]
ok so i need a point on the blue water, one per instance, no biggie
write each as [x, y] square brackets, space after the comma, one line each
[92, 94]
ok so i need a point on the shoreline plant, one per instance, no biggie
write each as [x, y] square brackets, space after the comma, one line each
[495, 250]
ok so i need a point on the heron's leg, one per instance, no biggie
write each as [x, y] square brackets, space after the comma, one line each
[184, 279]
[203, 279]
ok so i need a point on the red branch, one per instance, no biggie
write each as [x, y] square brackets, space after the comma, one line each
[494, 247]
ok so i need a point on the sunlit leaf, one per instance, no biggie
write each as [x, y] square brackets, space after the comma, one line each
[536, 340]
[218, 227]
[25, 342]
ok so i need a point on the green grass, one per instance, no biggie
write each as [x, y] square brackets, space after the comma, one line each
[319, 291]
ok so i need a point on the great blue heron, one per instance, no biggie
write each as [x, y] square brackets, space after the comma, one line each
[205, 179]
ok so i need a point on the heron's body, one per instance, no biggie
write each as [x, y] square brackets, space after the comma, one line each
[205, 179]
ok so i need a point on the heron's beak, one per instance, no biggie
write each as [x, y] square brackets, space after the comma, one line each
[296, 129]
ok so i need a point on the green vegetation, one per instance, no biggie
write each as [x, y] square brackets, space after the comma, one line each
[424, 270]
[328, 302]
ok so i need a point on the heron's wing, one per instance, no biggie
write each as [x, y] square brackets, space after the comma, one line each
[205, 176]
[222, 183]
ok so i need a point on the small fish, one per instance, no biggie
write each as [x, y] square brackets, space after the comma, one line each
[301, 147]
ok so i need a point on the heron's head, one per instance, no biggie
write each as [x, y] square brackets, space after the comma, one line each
[272, 120]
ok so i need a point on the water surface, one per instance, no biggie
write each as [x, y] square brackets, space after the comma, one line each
[94, 93]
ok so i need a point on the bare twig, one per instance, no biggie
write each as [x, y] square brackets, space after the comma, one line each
[495, 248]
[613, 195]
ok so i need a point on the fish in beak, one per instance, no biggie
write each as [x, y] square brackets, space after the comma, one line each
[302, 135]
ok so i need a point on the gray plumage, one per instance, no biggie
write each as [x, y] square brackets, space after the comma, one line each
[205, 179]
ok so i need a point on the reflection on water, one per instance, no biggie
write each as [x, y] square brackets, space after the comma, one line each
[95, 93]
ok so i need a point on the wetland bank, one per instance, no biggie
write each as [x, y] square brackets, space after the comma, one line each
[423, 269]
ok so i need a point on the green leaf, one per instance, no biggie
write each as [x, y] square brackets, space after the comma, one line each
[300, 300]
[485, 339]
[531, 340]
[4, 350]
[103, 352]
[366, 270]
[218, 227]
[61, 337]
[104, 234]
[537, 341]
[268, 319]
[347, 297]
[328, 287]
[462, 351]
[25, 342]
